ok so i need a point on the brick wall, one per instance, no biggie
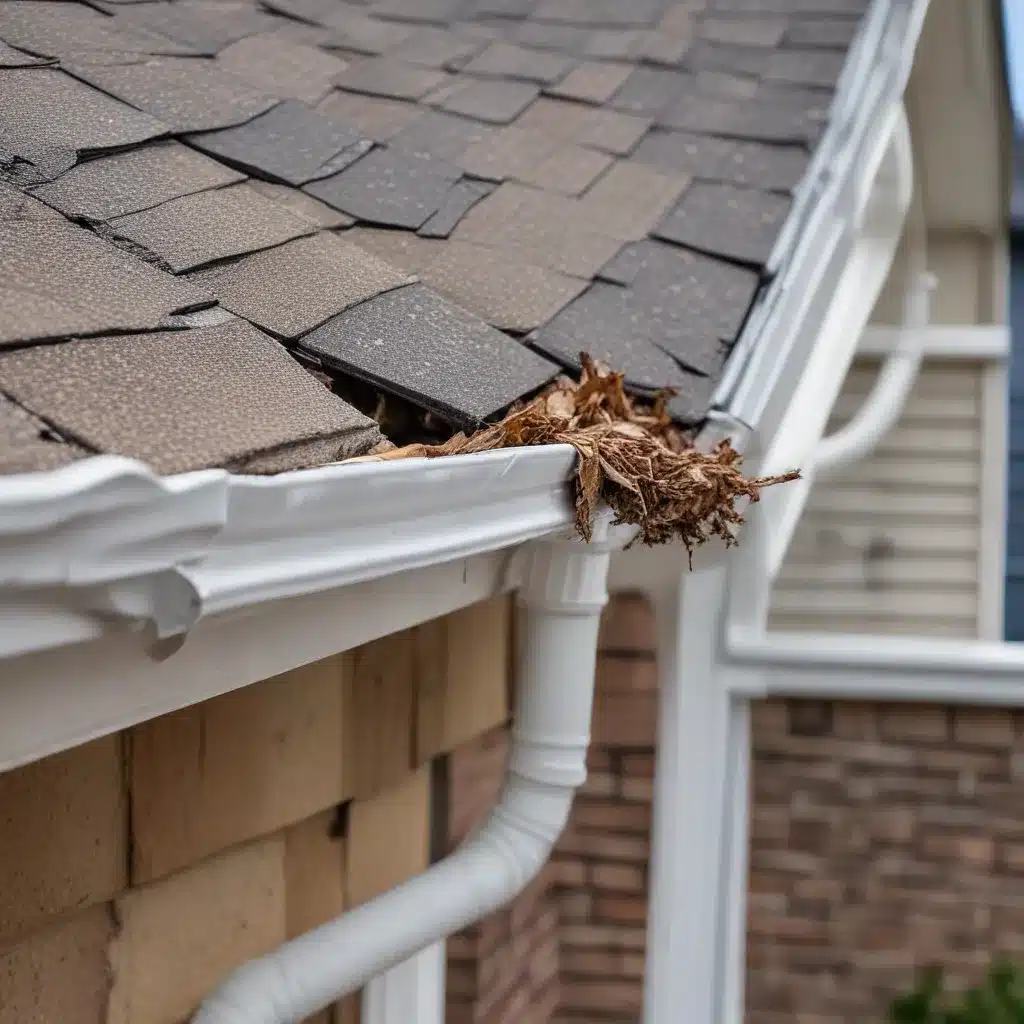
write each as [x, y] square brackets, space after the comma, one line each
[137, 870]
[884, 837]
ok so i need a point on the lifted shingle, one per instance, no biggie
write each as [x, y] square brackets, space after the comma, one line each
[198, 229]
[413, 343]
[184, 400]
[295, 287]
[57, 279]
[136, 179]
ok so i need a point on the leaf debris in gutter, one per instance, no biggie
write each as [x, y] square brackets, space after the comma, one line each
[631, 456]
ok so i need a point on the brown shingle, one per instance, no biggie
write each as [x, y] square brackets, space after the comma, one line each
[182, 400]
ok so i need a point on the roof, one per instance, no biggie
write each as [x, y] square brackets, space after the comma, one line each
[228, 226]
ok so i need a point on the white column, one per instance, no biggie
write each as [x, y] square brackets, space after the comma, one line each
[688, 840]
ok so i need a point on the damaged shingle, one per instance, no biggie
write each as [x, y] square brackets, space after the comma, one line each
[413, 343]
[45, 113]
[57, 280]
[295, 287]
[136, 179]
[290, 143]
[194, 230]
[184, 400]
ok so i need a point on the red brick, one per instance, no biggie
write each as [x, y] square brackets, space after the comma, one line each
[983, 727]
[621, 909]
[625, 719]
[617, 877]
[627, 624]
[627, 676]
[914, 722]
[612, 815]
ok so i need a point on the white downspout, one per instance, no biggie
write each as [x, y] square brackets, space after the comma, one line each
[561, 595]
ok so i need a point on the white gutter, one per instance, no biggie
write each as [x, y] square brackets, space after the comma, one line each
[106, 545]
[562, 592]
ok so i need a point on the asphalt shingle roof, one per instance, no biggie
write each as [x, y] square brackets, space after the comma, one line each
[202, 201]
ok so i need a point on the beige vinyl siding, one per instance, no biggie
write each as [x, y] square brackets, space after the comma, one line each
[891, 544]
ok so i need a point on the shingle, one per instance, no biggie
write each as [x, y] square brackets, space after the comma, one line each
[592, 82]
[12, 58]
[393, 79]
[549, 230]
[498, 8]
[443, 135]
[378, 118]
[568, 171]
[739, 60]
[295, 287]
[495, 102]
[601, 13]
[388, 187]
[283, 67]
[436, 48]
[362, 34]
[290, 143]
[461, 198]
[611, 131]
[44, 111]
[694, 305]
[413, 342]
[183, 400]
[822, 33]
[136, 179]
[744, 31]
[18, 205]
[57, 279]
[206, 26]
[658, 48]
[605, 323]
[510, 152]
[506, 60]
[818, 68]
[71, 30]
[302, 205]
[649, 91]
[560, 120]
[28, 445]
[188, 232]
[500, 286]
[631, 199]
[773, 168]
[438, 11]
[186, 94]
[755, 119]
[569, 39]
[740, 224]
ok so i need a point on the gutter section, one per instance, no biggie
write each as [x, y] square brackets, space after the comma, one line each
[106, 546]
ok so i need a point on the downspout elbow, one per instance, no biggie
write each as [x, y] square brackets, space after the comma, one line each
[561, 597]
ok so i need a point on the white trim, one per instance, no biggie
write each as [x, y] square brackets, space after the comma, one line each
[411, 993]
[861, 667]
[994, 482]
[970, 341]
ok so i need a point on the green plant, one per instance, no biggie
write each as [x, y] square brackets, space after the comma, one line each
[998, 1000]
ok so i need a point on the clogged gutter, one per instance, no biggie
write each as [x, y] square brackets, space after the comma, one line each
[631, 456]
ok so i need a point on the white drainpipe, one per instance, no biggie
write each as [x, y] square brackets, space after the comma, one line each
[561, 594]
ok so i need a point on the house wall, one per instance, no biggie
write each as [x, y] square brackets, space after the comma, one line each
[137, 870]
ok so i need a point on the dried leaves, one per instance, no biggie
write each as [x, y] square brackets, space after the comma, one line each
[630, 455]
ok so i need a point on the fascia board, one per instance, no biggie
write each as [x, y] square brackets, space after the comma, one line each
[55, 699]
